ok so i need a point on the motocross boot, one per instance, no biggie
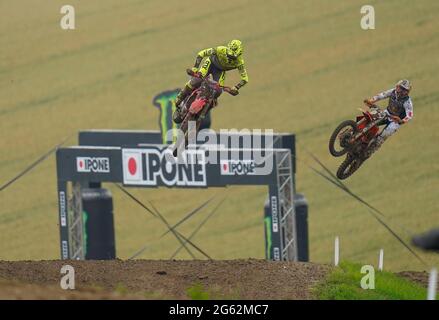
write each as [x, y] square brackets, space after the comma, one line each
[182, 95]
[178, 100]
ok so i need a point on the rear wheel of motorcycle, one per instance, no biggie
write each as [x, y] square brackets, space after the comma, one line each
[344, 127]
[348, 167]
[184, 128]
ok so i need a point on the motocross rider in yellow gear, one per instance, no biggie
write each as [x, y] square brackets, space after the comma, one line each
[215, 61]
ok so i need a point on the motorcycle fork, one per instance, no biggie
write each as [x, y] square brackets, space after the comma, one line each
[206, 109]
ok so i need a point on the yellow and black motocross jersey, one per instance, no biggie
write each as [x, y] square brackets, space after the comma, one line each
[219, 58]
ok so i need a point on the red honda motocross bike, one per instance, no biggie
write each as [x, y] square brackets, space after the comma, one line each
[356, 139]
[196, 106]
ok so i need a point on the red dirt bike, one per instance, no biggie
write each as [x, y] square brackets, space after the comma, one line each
[196, 106]
[355, 138]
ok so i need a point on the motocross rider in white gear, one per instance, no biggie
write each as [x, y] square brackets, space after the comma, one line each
[399, 110]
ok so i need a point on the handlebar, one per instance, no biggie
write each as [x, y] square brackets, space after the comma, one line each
[193, 74]
[199, 76]
[381, 112]
[371, 105]
[376, 107]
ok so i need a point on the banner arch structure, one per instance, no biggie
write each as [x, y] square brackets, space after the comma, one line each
[145, 166]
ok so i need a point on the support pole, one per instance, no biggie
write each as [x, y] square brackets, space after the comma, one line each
[432, 284]
[336, 251]
[381, 260]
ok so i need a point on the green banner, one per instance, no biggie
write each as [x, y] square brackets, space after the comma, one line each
[267, 221]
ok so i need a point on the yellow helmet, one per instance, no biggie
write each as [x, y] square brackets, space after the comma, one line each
[235, 48]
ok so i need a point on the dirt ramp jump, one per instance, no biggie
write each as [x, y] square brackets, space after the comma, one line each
[234, 279]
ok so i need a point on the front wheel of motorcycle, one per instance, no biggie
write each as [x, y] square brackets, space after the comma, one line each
[345, 130]
[348, 167]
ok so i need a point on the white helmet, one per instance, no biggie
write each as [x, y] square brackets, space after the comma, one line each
[402, 88]
[405, 84]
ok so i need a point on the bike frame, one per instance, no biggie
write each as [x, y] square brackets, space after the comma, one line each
[198, 103]
[367, 126]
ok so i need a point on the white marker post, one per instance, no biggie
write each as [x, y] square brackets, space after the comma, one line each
[432, 283]
[381, 260]
[337, 251]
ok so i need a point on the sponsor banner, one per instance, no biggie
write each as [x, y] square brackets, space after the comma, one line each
[93, 164]
[274, 214]
[65, 249]
[62, 208]
[238, 167]
[276, 254]
[151, 167]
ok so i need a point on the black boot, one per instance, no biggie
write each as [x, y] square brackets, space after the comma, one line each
[177, 116]
[182, 95]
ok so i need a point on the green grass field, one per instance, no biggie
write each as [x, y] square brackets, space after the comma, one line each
[310, 66]
[344, 283]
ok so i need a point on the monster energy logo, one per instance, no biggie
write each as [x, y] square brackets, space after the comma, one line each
[165, 101]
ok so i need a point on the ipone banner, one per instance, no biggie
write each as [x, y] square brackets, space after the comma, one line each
[203, 167]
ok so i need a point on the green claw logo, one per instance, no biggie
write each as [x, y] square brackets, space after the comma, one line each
[165, 101]
[267, 221]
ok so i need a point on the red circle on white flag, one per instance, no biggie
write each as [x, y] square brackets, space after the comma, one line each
[132, 166]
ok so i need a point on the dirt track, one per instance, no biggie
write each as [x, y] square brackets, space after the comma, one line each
[244, 279]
